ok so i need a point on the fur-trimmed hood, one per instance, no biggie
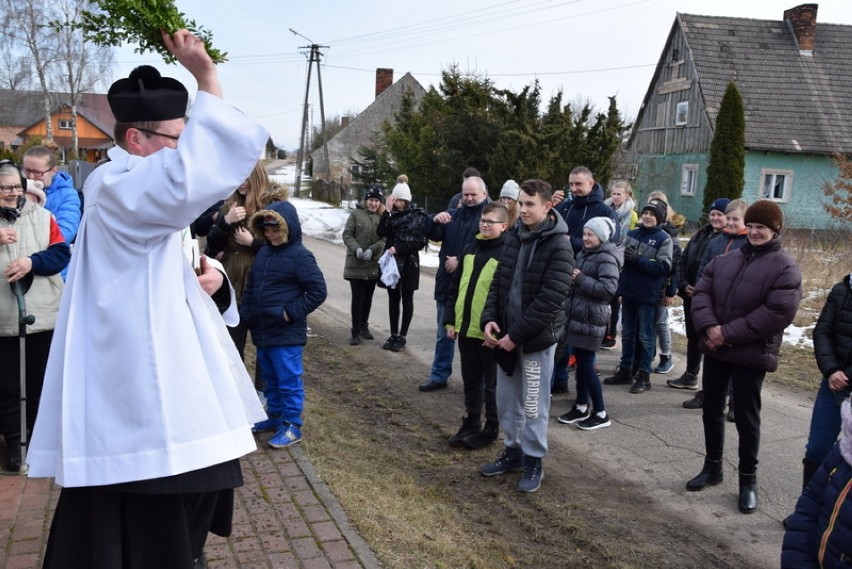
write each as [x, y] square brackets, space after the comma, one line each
[285, 214]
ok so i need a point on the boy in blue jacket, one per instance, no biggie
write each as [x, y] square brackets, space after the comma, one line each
[284, 286]
[647, 265]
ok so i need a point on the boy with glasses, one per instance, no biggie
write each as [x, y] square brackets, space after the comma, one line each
[465, 301]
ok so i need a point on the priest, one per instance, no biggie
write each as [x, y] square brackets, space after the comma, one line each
[146, 407]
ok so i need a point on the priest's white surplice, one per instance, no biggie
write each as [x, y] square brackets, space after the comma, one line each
[143, 380]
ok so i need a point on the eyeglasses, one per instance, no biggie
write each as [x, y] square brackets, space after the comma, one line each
[36, 173]
[489, 222]
[155, 133]
[11, 189]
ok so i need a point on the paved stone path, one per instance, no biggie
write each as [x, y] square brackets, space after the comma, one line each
[285, 517]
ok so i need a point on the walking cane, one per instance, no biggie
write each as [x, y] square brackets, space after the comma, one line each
[20, 288]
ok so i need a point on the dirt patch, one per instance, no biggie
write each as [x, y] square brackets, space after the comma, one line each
[381, 447]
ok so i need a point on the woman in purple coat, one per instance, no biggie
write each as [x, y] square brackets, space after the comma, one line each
[741, 306]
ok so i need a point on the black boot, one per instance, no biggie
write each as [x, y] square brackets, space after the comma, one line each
[12, 464]
[365, 332]
[809, 468]
[355, 339]
[710, 475]
[620, 376]
[748, 493]
[470, 426]
[484, 437]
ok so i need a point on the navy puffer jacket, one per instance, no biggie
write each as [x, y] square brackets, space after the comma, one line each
[282, 279]
[819, 533]
[753, 294]
[581, 209]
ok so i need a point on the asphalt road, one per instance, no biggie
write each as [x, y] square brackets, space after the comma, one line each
[654, 441]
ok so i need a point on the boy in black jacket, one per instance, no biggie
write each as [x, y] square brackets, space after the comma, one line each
[522, 320]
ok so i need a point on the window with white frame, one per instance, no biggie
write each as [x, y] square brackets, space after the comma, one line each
[776, 184]
[682, 113]
[688, 179]
[64, 124]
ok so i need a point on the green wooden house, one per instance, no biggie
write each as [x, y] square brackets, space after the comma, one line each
[795, 77]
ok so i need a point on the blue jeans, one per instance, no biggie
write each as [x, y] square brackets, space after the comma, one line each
[588, 382]
[638, 322]
[445, 349]
[281, 370]
[560, 365]
[825, 423]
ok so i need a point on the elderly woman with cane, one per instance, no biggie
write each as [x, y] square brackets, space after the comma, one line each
[32, 253]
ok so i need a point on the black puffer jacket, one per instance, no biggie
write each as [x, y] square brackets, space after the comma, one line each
[406, 231]
[690, 259]
[546, 284]
[833, 331]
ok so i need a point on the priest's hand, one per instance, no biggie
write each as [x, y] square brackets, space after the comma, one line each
[190, 51]
[210, 278]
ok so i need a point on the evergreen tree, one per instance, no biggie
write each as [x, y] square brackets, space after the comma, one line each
[725, 171]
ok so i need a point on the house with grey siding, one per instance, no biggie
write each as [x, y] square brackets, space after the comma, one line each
[795, 77]
[364, 128]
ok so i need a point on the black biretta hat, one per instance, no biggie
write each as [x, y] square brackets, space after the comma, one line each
[147, 96]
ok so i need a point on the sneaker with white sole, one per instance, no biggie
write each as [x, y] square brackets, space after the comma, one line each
[666, 365]
[286, 436]
[510, 459]
[574, 416]
[594, 422]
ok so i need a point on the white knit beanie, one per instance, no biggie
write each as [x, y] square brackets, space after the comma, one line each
[511, 189]
[401, 191]
[603, 227]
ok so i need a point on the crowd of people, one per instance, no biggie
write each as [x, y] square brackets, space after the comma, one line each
[524, 285]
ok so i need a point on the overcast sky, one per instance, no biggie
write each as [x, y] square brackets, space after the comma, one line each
[590, 49]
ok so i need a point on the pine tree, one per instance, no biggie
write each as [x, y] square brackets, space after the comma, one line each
[725, 171]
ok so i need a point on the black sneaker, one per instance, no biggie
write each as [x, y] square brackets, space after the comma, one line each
[469, 427]
[686, 381]
[608, 343]
[620, 377]
[510, 460]
[594, 422]
[574, 416]
[366, 334]
[533, 474]
[389, 342]
[560, 387]
[354, 340]
[398, 344]
[642, 383]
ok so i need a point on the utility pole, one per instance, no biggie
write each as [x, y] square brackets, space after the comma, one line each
[314, 57]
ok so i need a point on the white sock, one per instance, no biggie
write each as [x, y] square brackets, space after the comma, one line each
[582, 408]
[601, 414]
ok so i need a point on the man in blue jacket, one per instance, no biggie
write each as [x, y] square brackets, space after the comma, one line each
[587, 202]
[455, 230]
[63, 201]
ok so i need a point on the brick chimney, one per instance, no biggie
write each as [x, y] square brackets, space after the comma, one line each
[384, 79]
[802, 22]
[344, 121]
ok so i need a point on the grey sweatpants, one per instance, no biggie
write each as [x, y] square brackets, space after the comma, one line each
[523, 402]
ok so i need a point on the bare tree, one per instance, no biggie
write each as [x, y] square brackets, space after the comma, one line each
[80, 65]
[25, 25]
[14, 69]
